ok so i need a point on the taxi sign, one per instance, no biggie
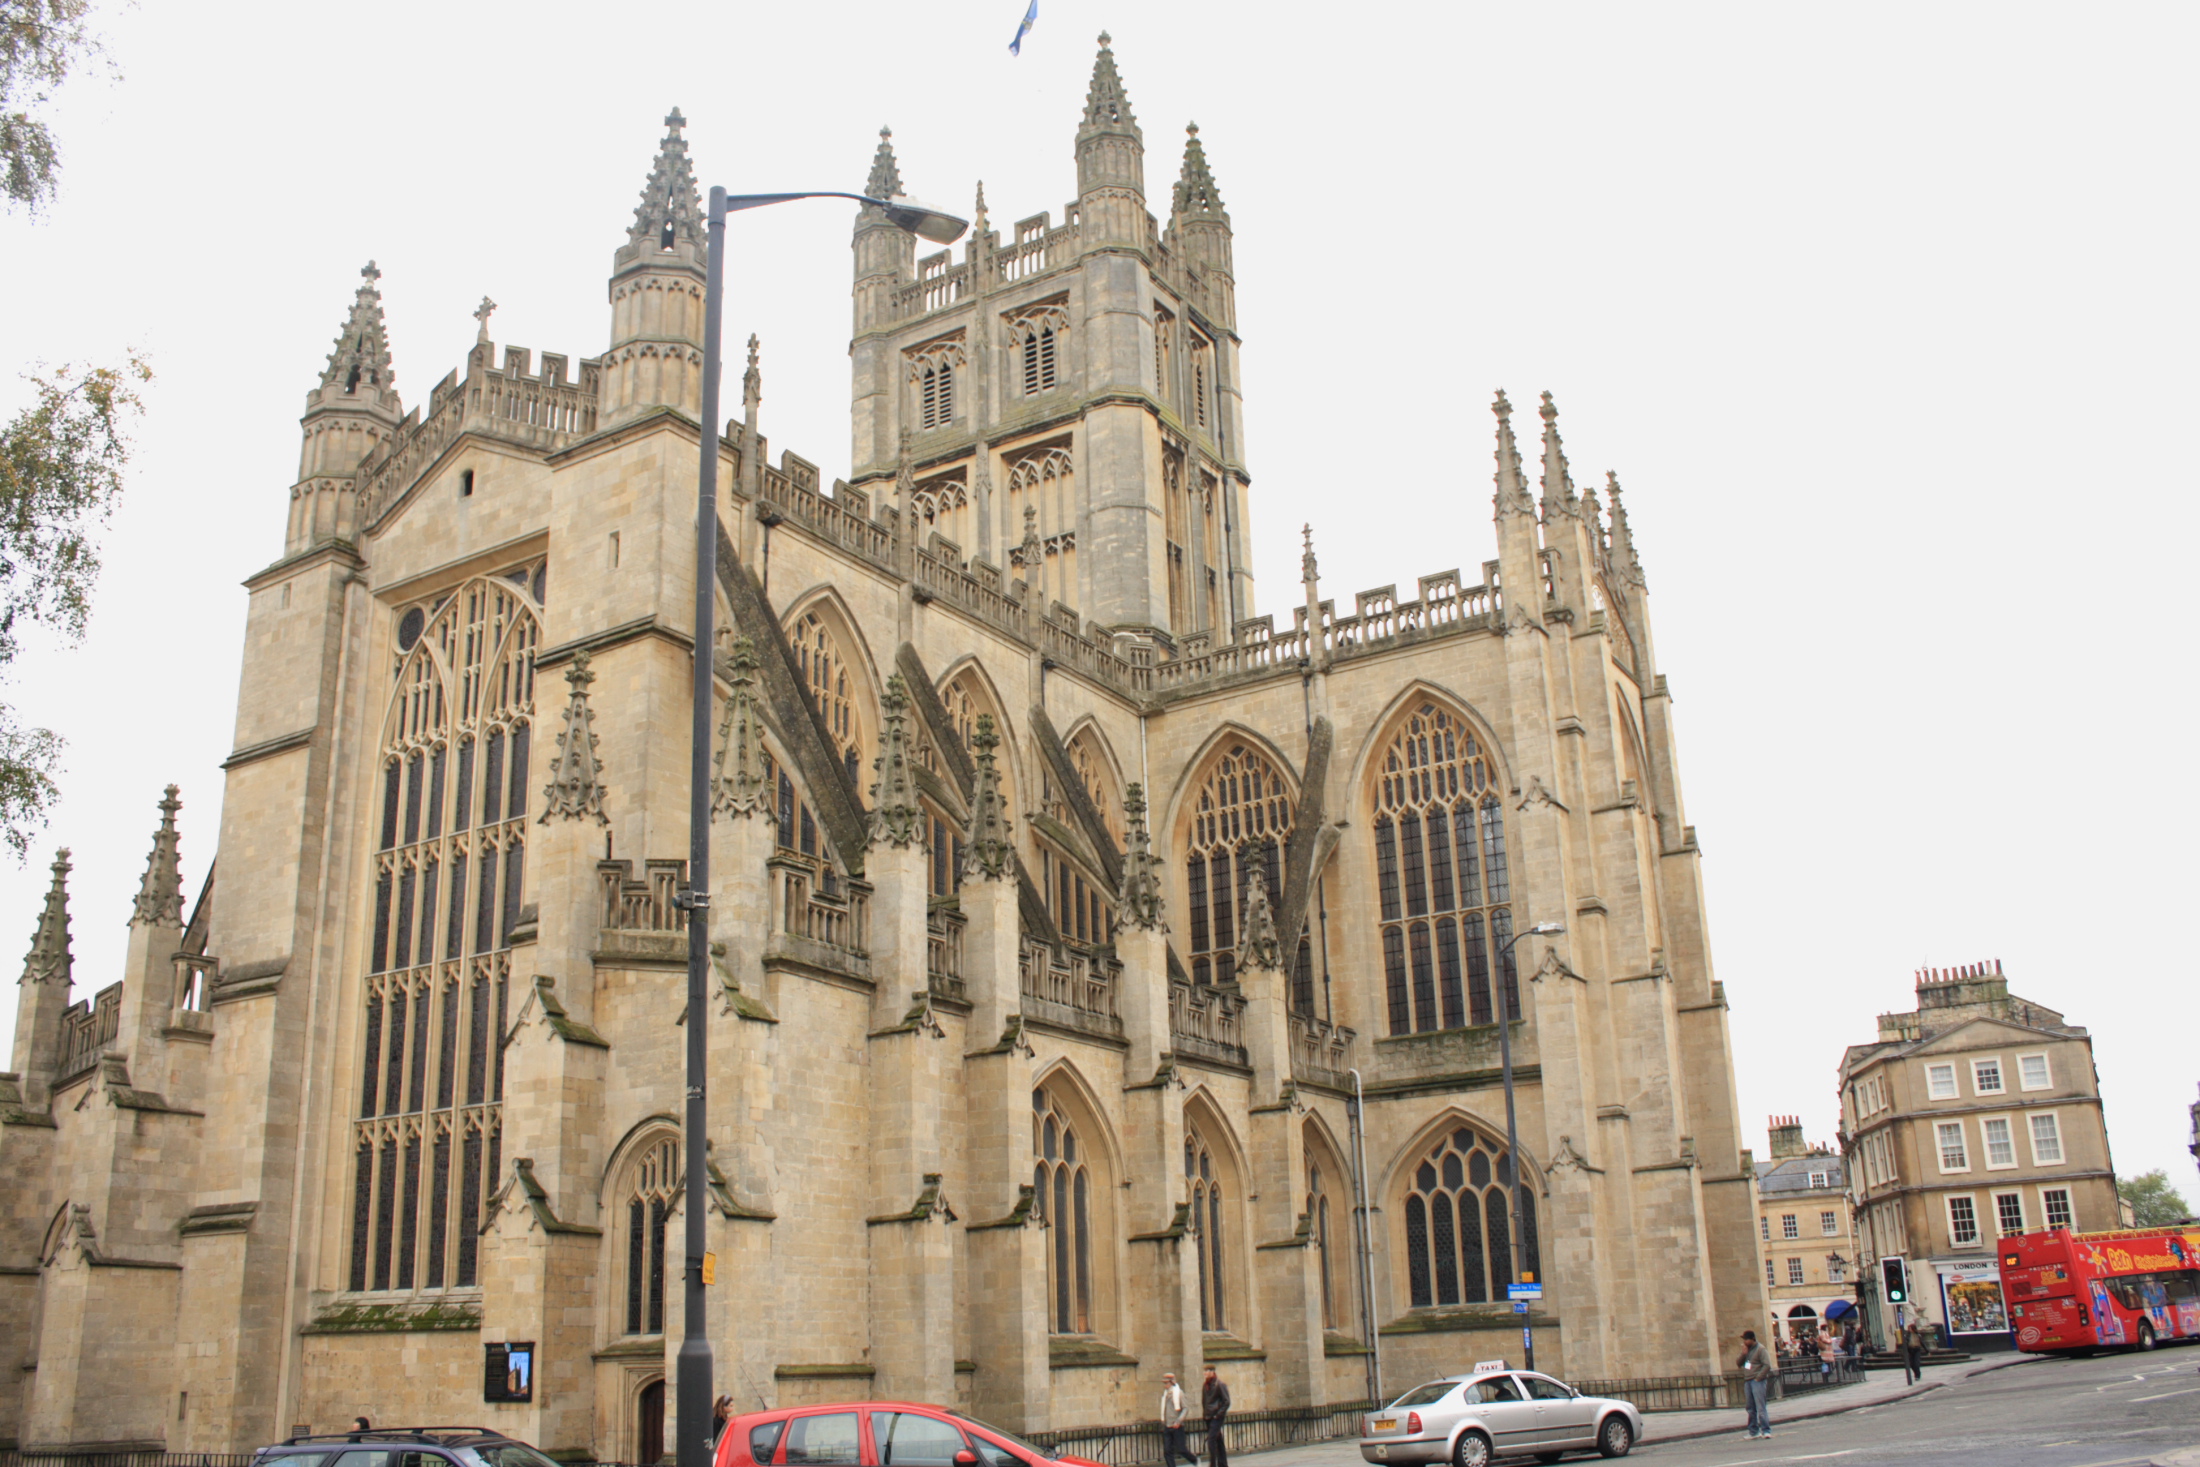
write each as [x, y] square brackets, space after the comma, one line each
[1523, 1291]
[1482, 1365]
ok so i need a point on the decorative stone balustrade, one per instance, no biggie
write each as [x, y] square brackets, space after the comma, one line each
[1207, 1022]
[1069, 987]
[648, 905]
[1321, 1051]
[943, 952]
[818, 907]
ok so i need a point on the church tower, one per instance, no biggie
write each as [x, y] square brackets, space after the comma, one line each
[349, 416]
[656, 356]
[1060, 407]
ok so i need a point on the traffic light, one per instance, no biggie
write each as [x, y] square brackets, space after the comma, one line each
[1895, 1276]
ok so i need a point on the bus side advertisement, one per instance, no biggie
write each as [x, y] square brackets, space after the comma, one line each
[2077, 1291]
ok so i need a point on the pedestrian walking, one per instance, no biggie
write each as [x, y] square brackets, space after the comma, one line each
[1828, 1352]
[1913, 1352]
[1173, 1444]
[1214, 1405]
[1756, 1368]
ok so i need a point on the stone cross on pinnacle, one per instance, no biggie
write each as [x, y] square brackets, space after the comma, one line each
[482, 313]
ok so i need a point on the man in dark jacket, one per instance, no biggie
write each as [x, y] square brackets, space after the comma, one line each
[1214, 1402]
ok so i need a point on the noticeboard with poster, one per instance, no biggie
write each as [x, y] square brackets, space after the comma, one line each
[1970, 1298]
[508, 1371]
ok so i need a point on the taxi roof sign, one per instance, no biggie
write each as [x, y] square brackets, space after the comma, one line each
[1481, 1365]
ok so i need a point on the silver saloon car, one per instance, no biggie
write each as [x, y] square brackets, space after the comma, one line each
[1467, 1420]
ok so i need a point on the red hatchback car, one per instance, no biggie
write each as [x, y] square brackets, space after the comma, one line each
[875, 1434]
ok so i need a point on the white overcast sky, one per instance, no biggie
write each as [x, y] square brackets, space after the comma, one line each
[1884, 314]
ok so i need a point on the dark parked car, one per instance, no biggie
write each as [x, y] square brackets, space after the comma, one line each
[405, 1446]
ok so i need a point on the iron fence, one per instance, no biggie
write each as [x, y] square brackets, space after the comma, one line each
[71, 1458]
[1721, 1392]
[1139, 1442]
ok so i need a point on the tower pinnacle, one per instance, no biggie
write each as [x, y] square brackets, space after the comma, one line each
[885, 179]
[1107, 107]
[671, 211]
[49, 957]
[1512, 492]
[1558, 484]
[1197, 198]
[1624, 558]
[160, 895]
[360, 363]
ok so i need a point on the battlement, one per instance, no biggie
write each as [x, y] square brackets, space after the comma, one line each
[542, 411]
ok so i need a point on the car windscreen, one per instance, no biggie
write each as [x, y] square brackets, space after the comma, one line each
[1007, 1436]
[1427, 1395]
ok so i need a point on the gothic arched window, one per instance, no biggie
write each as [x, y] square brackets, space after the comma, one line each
[1317, 1212]
[652, 1189]
[448, 874]
[1097, 774]
[1458, 1221]
[1062, 1185]
[932, 372]
[1045, 480]
[1203, 1188]
[1035, 338]
[1241, 816]
[831, 674]
[1441, 877]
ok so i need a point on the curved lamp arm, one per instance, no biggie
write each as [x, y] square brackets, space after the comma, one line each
[920, 219]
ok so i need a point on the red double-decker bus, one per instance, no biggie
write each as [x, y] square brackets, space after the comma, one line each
[2090, 1291]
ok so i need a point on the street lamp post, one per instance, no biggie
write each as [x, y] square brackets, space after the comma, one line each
[1512, 1132]
[693, 1402]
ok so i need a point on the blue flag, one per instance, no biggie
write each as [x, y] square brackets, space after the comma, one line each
[1016, 47]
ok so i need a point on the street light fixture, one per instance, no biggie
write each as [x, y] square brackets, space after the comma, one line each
[1512, 1131]
[693, 1403]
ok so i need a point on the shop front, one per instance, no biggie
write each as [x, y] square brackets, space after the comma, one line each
[1971, 1306]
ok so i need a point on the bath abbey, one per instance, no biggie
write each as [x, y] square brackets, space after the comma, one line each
[1108, 976]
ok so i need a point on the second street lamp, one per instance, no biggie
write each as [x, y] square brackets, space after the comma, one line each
[1512, 1132]
[693, 1404]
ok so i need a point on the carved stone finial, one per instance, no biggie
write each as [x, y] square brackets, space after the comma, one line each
[752, 382]
[989, 854]
[1029, 555]
[896, 818]
[482, 313]
[739, 788]
[1196, 196]
[1259, 947]
[1512, 490]
[361, 358]
[160, 895]
[1309, 572]
[576, 788]
[671, 207]
[49, 959]
[1138, 904]
[1107, 105]
[1558, 482]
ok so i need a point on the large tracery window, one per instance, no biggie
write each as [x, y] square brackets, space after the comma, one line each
[1203, 1186]
[651, 1197]
[1045, 480]
[1441, 877]
[1062, 1185]
[831, 679]
[1458, 1223]
[450, 836]
[1241, 818]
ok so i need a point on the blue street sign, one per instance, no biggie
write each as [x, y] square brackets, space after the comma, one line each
[1523, 1291]
[1520, 1306]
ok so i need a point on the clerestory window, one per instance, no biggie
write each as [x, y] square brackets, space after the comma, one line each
[1241, 819]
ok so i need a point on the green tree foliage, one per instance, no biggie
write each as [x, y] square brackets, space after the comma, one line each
[40, 40]
[61, 463]
[2154, 1202]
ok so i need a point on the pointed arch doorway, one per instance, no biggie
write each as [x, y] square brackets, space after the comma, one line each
[649, 1409]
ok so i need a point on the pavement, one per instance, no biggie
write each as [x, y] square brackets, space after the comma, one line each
[2122, 1410]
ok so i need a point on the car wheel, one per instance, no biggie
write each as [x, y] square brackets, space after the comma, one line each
[1616, 1438]
[2146, 1336]
[1471, 1450]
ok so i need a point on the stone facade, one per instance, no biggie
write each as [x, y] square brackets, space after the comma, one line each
[1062, 903]
[1803, 1221]
[1974, 1115]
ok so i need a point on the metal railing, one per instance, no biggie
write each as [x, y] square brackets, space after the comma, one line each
[1719, 1392]
[1139, 1442]
[69, 1458]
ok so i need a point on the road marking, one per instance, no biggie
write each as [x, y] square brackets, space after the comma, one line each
[1807, 1457]
[2188, 1390]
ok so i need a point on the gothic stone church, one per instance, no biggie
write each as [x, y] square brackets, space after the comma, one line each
[1062, 903]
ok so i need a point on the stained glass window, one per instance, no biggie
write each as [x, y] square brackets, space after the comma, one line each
[1458, 1223]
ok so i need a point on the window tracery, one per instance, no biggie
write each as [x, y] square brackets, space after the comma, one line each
[1097, 775]
[1458, 1223]
[1035, 337]
[1203, 1186]
[1241, 816]
[652, 1192]
[448, 875]
[1317, 1211]
[831, 677]
[1062, 1190]
[932, 373]
[1442, 877]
